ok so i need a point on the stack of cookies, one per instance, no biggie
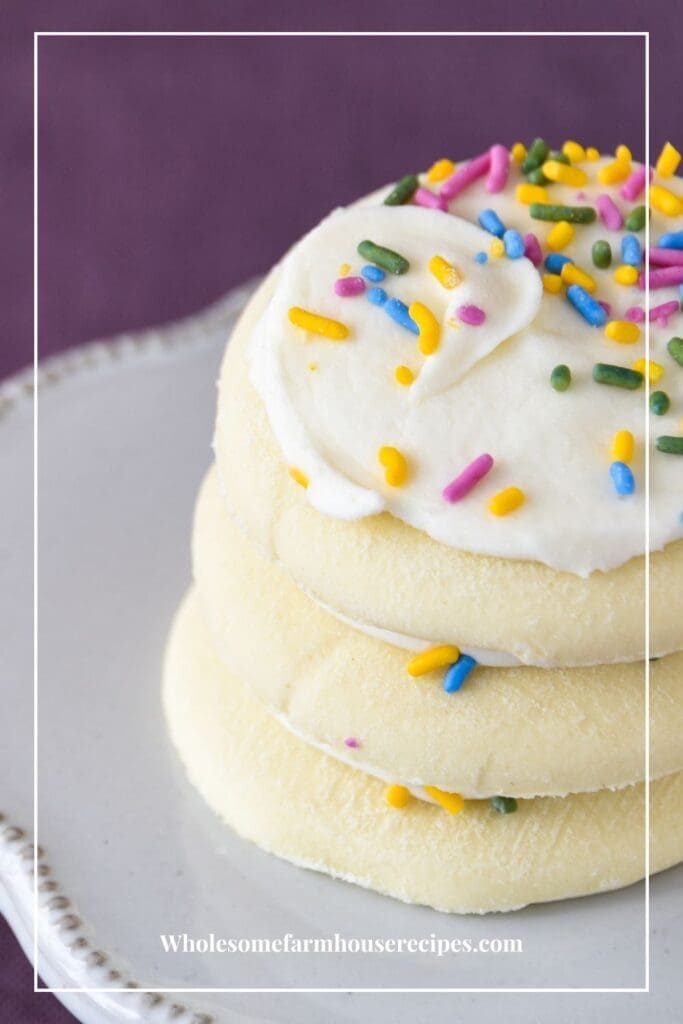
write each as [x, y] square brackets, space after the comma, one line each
[439, 560]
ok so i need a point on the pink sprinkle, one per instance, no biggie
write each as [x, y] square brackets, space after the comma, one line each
[580, 196]
[471, 475]
[424, 197]
[634, 185]
[635, 314]
[609, 213]
[464, 176]
[606, 306]
[499, 169]
[662, 313]
[663, 277]
[471, 315]
[666, 257]
[351, 741]
[349, 286]
[532, 249]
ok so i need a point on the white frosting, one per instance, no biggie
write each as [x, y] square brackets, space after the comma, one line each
[486, 389]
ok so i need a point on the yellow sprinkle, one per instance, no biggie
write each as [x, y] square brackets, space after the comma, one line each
[574, 151]
[529, 194]
[397, 796]
[665, 201]
[451, 802]
[623, 154]
[440, 170]
[564, 174]
[612, 173]
[571, 274]
[297, 475]
[395, 465]
[428, 325]
[668, 161]
[625, 274]
[345, 270]
[653, 371]
[404, 375]
[622, 446]
[497, 248]
[592, 154]
[552, 283]
[560, 235]
[312, 367]
[331, 329]
[518, 152]
[506, 501]
[446, 274]
[623, 331]
[435, 657]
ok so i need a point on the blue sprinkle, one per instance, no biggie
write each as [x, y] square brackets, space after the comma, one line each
[589, 308]
[457, 673]
[514, 244]
[377, 296]
[371, 273]
[491, 222]
[631, 252]
[481, 257]
[672, 240]
[622, 478]
[398, 311]
[554, 262]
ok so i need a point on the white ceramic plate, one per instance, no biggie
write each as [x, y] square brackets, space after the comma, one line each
[129, 851]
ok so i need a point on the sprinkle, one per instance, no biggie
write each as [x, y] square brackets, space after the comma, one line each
[298, 476]
[445, 273]
[331, 329]
[634, 185]
[626, 275]
[636, 219]
[675, 349]
[456, 675]
[457, 489]
[666, 257]
[668, 161]
[395, 465]
[564, 174]
[514, 244]
[472, 315]
[398, 311]
[647, 367]
[432, 659]
[552, 283]
[561, 377]
[397, 796]
[617, 376]
[622, 478]
[538, 151]
[660, 403]
[451, 802]
[481, 258]
[403, 191]
[491, 222]
[573, 214]
[371, 273]
[440, 170]
[352, 742]
[312, 367]
[554, 262]
[518, 152]
[660, 314]
[504, 804]
[574, 151]
[571, 274]
[528, 194]
[602, 254]
[613, 173]
[537, 177]
[458, 181]
[385, 258]
[592, 312]
[428, 326]
[499, 169]
[429, 199]
[636, 314]
[665, 201]
[377, 296]
[404, 376]
[347, 286]
[672, 240]
[560, 235]
[623, 331]
[606, 306]
[344, 269]
[496, 248]
[623, 154]
[662, 277]
[532, 249]
[670, 445]
[631, 252]
[623, 446]
[506, 501]
[592, 154]
[610, 215]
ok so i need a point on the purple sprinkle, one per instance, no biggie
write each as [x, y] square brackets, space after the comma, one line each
[606, 306]
[471, 315]
[457, 489]
[610, 215]
[346, 286]
[662, 312]
[532, 249]
[423, 197]
[351, 741]
[636, 314]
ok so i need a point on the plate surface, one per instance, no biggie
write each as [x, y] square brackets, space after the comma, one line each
[130, 852]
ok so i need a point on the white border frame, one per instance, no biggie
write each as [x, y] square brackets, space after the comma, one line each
[645, 36]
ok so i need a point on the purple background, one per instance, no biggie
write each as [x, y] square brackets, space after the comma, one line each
[172, 169]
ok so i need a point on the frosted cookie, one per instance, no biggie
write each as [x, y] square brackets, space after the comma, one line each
[520, 731]
[306, 807]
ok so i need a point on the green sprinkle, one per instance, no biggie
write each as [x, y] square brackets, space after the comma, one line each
[537, 177]
[403, 191]
[561, 377]
[560, 158]
[636, 219]
[659, 402]
[670, 445]
[675, 349]
[503, 804]
[573, 214]
[619, 376]
[536, 155]
[385, 258]
[602, 254]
